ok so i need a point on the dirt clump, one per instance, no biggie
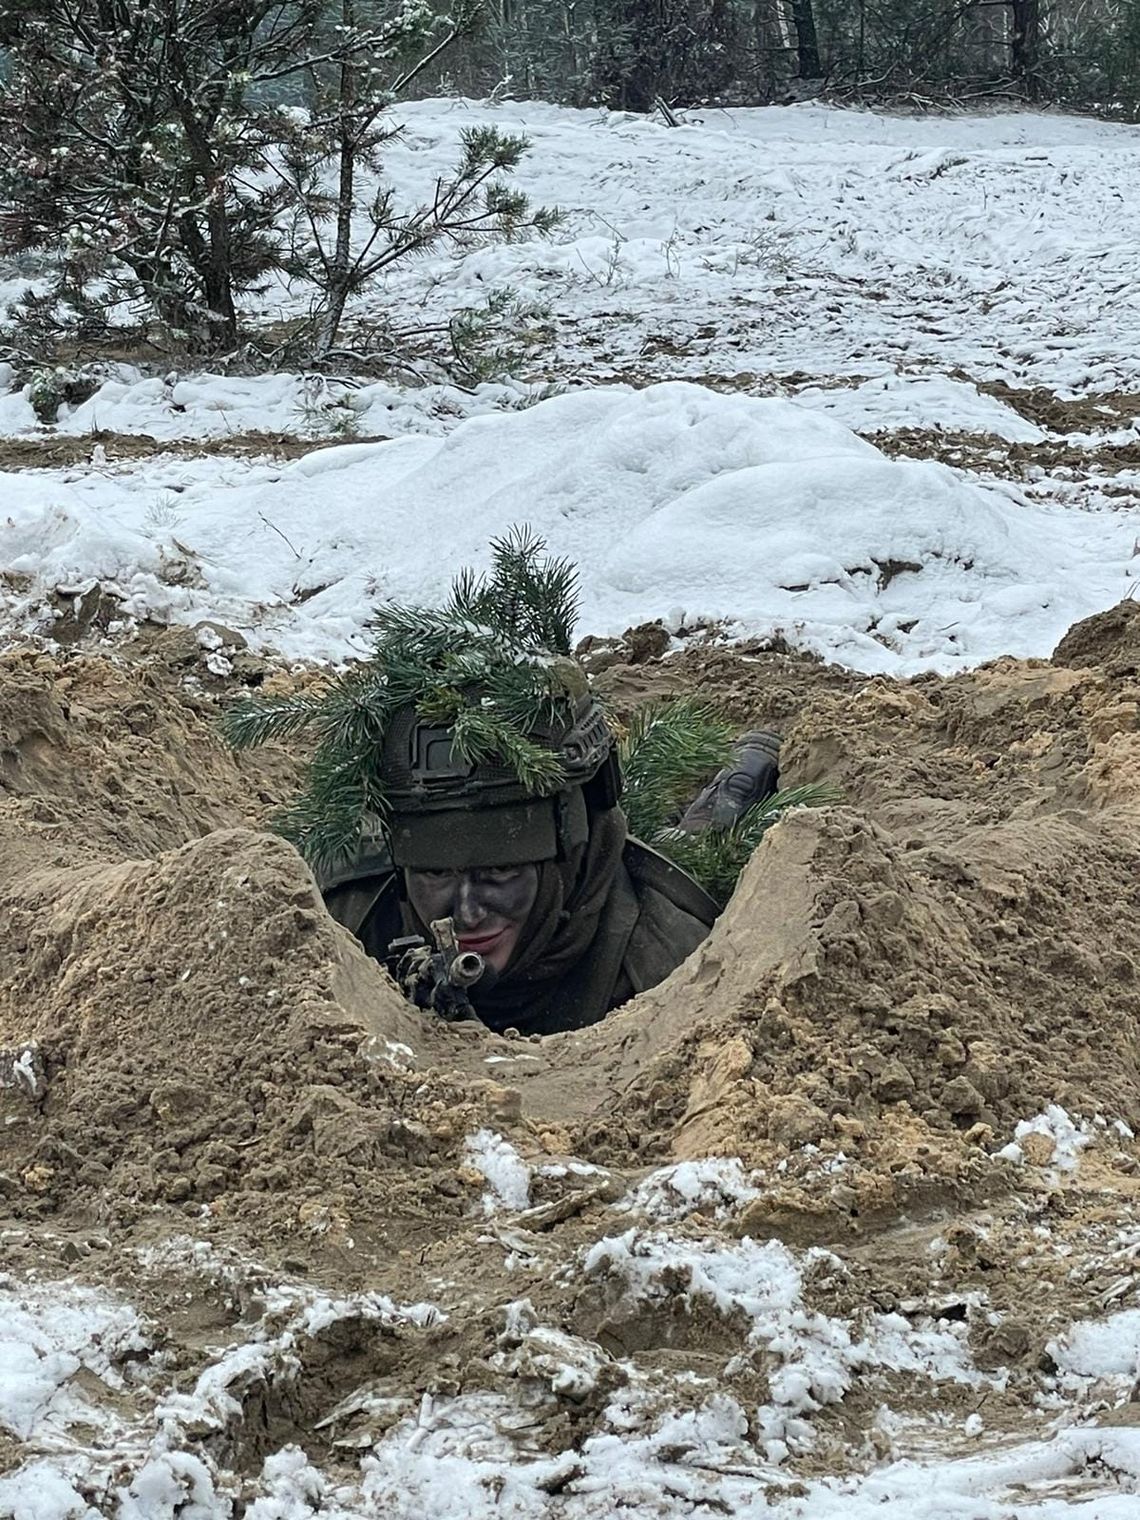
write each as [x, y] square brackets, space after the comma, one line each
[1110, 639]
[636, 646]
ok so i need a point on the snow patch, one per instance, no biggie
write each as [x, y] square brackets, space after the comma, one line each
[1066, 1136]
[717, 1186]
[505, 1171]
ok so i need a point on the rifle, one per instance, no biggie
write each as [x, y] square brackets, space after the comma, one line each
[437, 979]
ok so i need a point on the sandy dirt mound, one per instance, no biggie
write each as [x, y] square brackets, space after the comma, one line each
[949, 951]
[902, 978]
[196, 1029]
[211, 1099]
[191, 1024]
[123, 758]
[1112, 639]
[896, 1010]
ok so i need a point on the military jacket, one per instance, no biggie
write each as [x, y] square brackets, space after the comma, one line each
[654, 916]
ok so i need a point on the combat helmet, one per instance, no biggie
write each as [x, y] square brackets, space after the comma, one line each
[469, 738]
[447, 812]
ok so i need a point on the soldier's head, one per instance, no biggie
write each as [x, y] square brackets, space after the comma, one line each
[473, 843]
[471, 741]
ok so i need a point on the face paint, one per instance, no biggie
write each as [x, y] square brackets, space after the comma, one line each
[489, 905]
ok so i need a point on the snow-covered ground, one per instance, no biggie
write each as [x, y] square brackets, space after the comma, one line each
[800, 238]
[810, 238]
[111, 1427]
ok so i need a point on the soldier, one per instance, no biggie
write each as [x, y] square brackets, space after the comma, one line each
[461, 807]
[570, 916]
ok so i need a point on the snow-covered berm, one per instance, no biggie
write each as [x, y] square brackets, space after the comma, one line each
[676, 502]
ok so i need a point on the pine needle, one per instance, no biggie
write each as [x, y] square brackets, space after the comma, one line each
[254, 721]
[485, 665]
[716, 857]
[669, 751]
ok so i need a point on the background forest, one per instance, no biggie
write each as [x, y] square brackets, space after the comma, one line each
[632, 53]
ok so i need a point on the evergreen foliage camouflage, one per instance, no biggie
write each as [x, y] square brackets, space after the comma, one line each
[716, 857]
[493, 665]
[667, 754]
[669, 750]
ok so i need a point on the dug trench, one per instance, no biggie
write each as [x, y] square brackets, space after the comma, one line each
[192, 1051]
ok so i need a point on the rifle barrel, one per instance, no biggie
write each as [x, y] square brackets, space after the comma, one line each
[466, 969]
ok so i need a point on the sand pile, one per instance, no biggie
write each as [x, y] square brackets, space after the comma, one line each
[189, 1028]
[902, 1008]
[213, 1103]
[123, 758]
[899, 979]
[196, 1029]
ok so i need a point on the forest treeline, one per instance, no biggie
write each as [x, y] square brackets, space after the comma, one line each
[635, 54]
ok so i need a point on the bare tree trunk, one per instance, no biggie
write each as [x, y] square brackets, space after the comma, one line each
[218, 274]
[769, 42]
[1025, 44]
[341, 264]
[807, 39]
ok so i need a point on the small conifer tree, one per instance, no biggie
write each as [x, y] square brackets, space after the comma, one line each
[161, 149]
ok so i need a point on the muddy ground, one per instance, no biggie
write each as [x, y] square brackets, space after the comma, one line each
[205, 1087]
[53, 450]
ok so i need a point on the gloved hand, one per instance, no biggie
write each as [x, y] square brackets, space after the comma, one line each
[753, 774]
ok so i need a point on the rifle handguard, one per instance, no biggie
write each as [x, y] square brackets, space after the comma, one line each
[437, 979]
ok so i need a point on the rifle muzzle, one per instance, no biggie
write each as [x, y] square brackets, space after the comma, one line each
[466, 969]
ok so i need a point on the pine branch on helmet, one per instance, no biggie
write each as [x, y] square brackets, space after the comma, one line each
[477, 706]
[470, 740]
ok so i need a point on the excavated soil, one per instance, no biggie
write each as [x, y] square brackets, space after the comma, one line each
[952, 948]
[190, 1045]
